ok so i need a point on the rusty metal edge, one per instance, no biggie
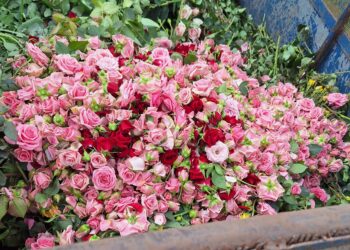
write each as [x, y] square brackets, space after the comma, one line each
[292, 230]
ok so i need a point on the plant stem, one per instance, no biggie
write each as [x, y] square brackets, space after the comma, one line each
[276, 56]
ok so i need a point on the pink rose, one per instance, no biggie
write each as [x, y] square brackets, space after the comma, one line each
[94, 42]
[69, 157]
[139, 224]
[264, 208]
[80, 181]
[104, 178]
[203, 87]
[159, 169]
[33, 69]
[23, 155]
[108, 64]
[335, 166]
[180, 29]
[42, 178]
[320, 194]
[337, 100]
[217, 153]
[89, 118]
[269, 188]
[37, 55]
[185, 96]
[78, 92]
[123, 45]
[45, 240]
[194, 33]
[185, 12]
[150, 203]
[136, 163]
[173, 185]
[67, 64]
[67, 236]
[163, 42]
[49, 106]
[156, 136]
[159, 219]
[161, 55]
[98, 160]
[28, 137]
[306, 104]
[295, 189]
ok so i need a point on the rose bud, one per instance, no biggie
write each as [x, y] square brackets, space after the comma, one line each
[58, 120]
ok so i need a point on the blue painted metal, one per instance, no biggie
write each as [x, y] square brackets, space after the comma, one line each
[282, 18]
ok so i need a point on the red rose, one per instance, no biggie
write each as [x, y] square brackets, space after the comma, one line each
[232, 120]
[71, 14]
[141, 57]
[195, 105]
[212, 136]
[183, 49]
[226, 196]
[113, 51]
[252, 179]
[121, 61]
[88, 143]
[215, 119]
[113, 88]
[127, 153]
[169, 156]
[137, 207]
[120, 140]
[125, 127]
[103, 143]
[33, 39]
[195, 174]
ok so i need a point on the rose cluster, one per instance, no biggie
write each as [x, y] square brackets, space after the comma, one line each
[123, 140]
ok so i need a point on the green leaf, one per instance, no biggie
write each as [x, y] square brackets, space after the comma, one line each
[78, 45]
[40, 197]
[3, 179]
[53, 188]
[10, 130]
[10, 46]
[243, 87]
[297, 168]
[110, 8]
[222, 88]
[294, 147]
[314, 149]
[17, 207]
[218, 180]
[61, 48]
[3, 109]
[4, 202]
[290, 199]
[176, 56]
[149, 23]
[4, 234]
[172, 224]
[127, 3]
[219, 170]
[190, 58]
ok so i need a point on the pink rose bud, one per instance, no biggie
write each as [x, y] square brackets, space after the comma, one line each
[295, 189]
[180, 29]
[136, 163]
[160, 219]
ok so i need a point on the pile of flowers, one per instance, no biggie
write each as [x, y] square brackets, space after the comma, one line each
[126, 140]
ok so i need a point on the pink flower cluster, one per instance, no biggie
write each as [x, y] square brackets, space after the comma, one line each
[135, 138]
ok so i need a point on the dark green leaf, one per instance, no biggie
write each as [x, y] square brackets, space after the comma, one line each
[53, 188]
[290, 199]
[61, 48]
[314, 149]
[218, 180]
[3, 179]
[4, 234]
[4, 201]
[78, 45]
[190, 58]
[3, 109]
[297, 168]
[10, 130]
[172, 224]
[243, 87]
